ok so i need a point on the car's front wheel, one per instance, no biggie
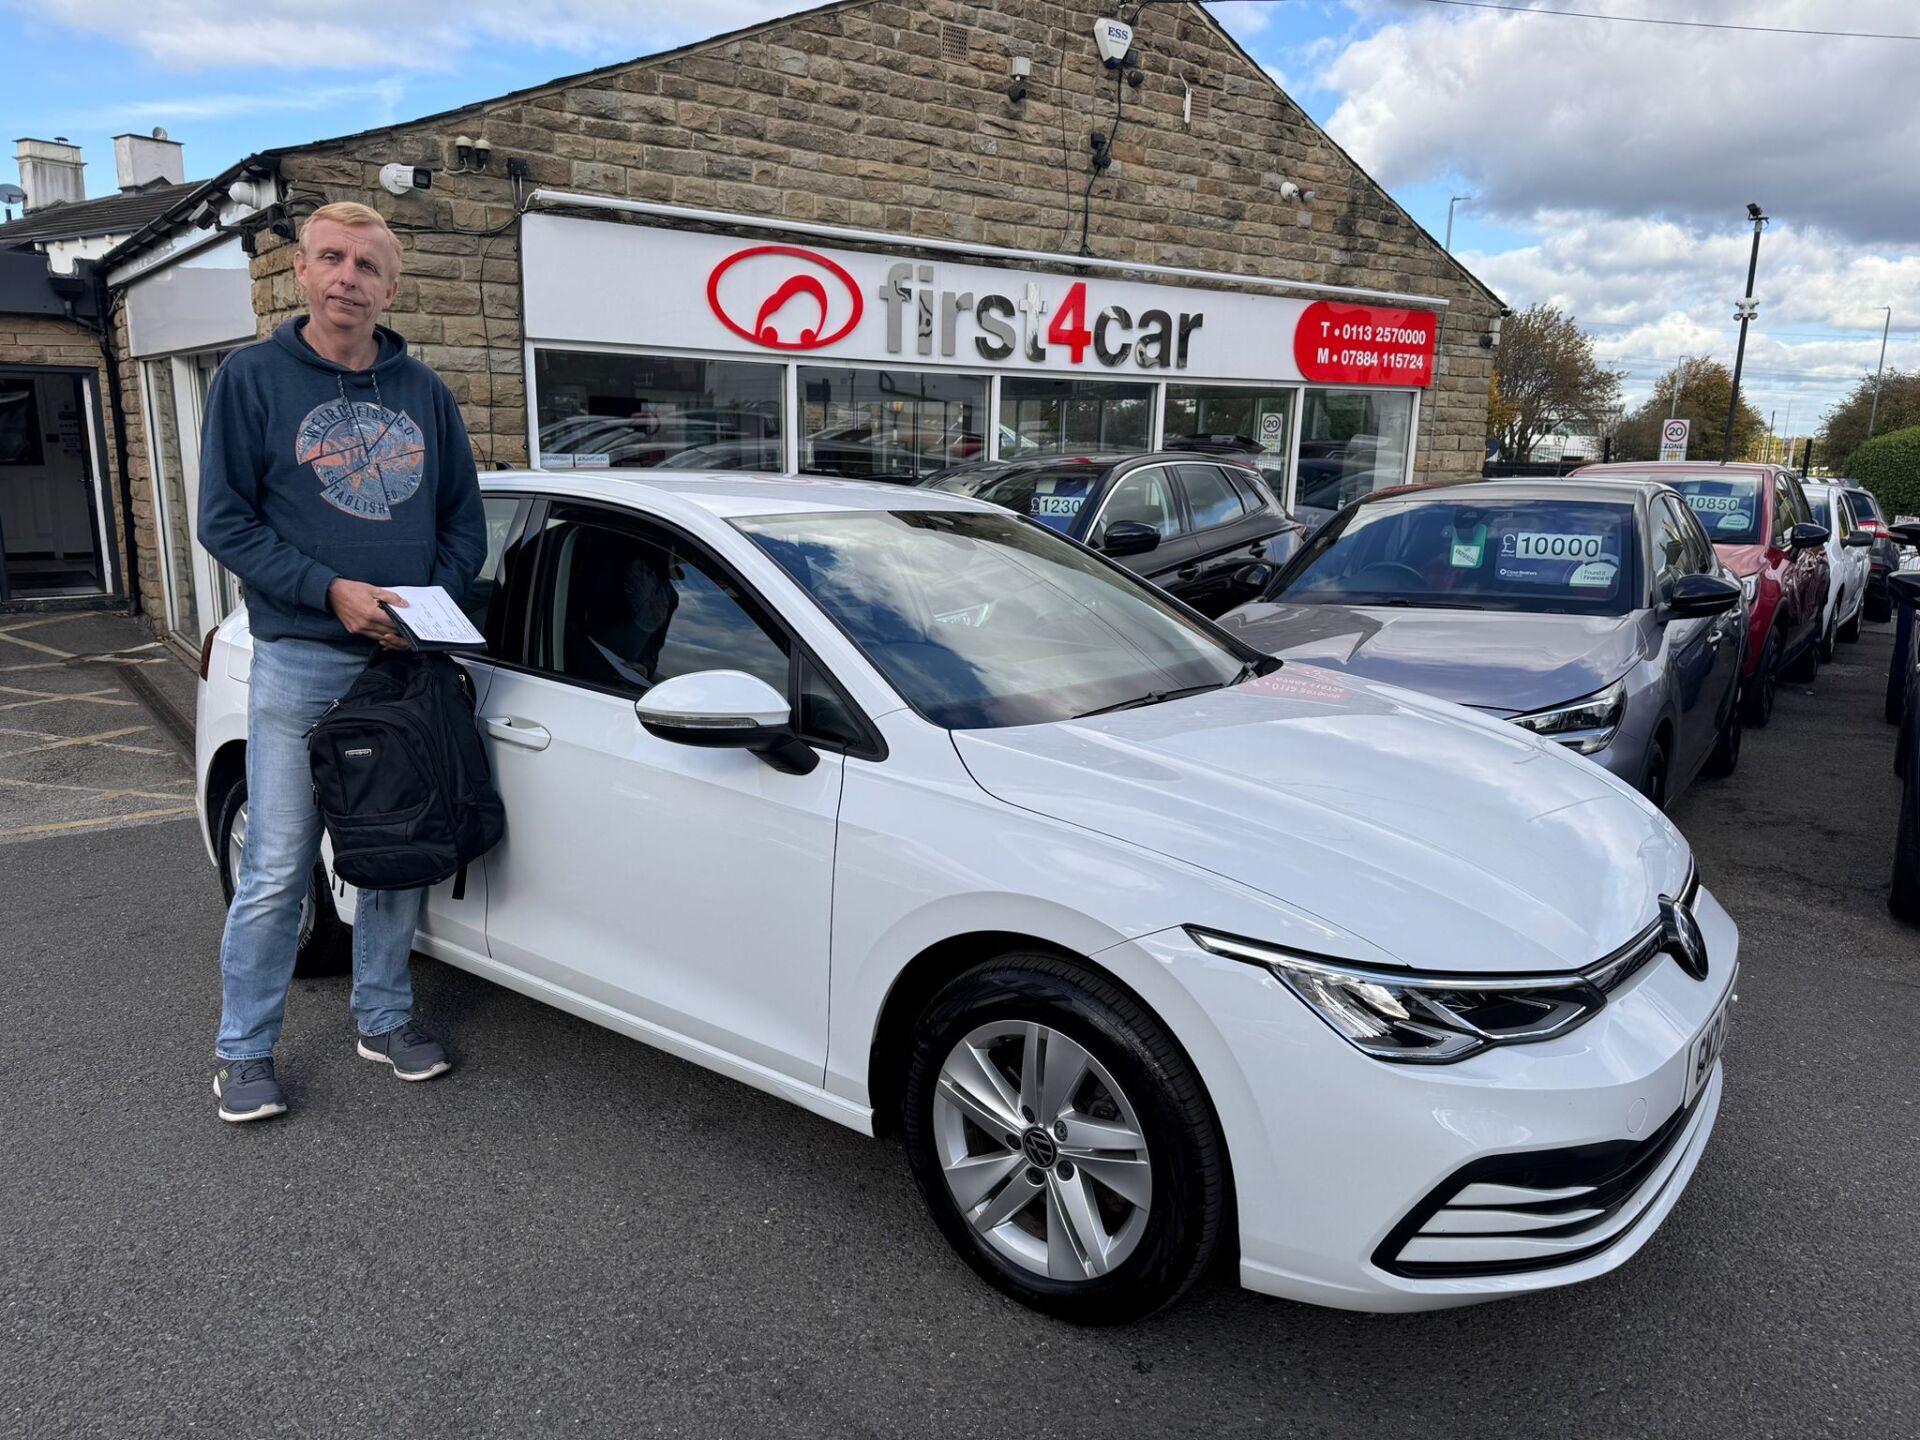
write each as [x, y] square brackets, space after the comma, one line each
[1765, 685]
[1062, 1141]
[322, 946]
[1725, 758]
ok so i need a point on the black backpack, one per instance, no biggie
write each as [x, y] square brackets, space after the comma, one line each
[401, 777]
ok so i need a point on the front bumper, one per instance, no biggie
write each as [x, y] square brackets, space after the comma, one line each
[1338, 1159]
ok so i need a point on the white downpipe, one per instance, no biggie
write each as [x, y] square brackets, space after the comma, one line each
[549, 198]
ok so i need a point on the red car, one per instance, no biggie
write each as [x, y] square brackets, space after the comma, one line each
[1760, 522]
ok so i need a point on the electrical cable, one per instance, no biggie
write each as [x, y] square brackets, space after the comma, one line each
[1517, 9]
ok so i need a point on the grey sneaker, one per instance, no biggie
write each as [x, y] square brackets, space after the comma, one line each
[413, 1054]
[247, 1090]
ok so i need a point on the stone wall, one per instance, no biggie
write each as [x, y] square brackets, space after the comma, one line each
[44, 340]
[890, 116]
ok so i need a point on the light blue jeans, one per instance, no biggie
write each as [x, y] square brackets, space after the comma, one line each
[292, 684]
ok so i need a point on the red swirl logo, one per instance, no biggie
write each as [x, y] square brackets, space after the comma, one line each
[787, 306]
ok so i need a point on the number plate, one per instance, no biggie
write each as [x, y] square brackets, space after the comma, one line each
[1706, 1048]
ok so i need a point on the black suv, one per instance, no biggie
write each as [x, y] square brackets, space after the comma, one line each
[1884, 557]
[1203, 528]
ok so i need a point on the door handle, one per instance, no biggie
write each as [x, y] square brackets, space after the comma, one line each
[511, 730]
[1188, 572]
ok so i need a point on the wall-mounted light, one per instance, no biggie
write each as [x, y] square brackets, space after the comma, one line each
[1017, 90]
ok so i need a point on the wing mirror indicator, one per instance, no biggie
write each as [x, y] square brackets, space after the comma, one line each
[726, 710]
[1696, 595]
[1129, 537]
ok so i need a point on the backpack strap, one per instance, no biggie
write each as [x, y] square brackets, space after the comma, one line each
[459, 884]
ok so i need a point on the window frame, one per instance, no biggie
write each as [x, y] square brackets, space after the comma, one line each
[1195, 527]
[1176, 492]
[525, 562]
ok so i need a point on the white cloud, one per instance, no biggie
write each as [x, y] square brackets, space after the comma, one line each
[1540, 111]
[382, 96]
[387, 35]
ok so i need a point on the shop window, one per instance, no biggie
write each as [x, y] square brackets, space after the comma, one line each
[1059, 417]
[1352, 442]
[889, 424]
[1254, 424]
[658, 411]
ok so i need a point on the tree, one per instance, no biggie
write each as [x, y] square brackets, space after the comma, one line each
[1845, 428]
[1889, 466]
[1697, 389]
[1545, 374]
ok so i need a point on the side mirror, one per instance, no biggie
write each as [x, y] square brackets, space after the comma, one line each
[1905, 585]
[1129, 537]
[1805, 537]
[1696, 595]
[1857, 540]
[1255, 577]
[1907, 533]
[726, 710]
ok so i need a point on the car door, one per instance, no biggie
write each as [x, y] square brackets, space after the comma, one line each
[1228, 536]
[687, 887]
[1148, 496]
[1850, 561]
[1809, 566]
[1719, 671]
[1689, 641]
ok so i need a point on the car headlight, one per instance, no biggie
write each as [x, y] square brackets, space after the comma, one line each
[1584, 725]
[1750, 587]
[1420, 1019]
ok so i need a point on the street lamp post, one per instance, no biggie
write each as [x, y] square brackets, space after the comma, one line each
[1874, 413]
[1743, 312]
[1450, 204]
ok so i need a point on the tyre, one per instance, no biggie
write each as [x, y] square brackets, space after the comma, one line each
[1850, 632]
[1828, 637]
[1653, 781]
[1765, 687]
[1903, 896]
[1725, 758]
[1897, 669]
[1062, 1141]
[322, 949]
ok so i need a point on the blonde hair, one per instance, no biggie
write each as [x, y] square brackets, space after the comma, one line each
[355, 216]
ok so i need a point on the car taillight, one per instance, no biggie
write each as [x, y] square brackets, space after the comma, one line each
[1875, 528]
[206, 652]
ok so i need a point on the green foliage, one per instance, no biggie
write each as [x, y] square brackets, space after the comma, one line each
[1889, 466]
[1845, 428]
[1697, 390]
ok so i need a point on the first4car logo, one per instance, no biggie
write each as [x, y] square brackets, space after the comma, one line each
[785, 298]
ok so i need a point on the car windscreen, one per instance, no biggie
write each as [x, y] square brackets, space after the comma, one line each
[1729, 509]
[1054, 495]
[1570, 556]
[984, 620]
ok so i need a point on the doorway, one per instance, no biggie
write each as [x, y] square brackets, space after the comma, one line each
[51, 533]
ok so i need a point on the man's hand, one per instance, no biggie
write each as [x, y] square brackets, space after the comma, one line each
[357, 605]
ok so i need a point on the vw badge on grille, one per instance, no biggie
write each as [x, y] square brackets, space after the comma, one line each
[1680, 937]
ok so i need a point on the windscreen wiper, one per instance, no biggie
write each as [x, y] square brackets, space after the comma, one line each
[1265, 665]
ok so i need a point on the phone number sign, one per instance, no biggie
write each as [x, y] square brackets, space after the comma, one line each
[1336, 344]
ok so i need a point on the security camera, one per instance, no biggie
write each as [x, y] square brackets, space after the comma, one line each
[1115, 38]
[398, 179]
[1289, 190]
[1017, 91]
[1753, 210]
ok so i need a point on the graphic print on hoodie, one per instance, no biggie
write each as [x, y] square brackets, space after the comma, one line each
[311, 471]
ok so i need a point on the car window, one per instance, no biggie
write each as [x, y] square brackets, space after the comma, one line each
[1144, 497]
[1696, 557]
[1784, 518]
[1802, 512]
[624, 605]
[1861, 504]
[1822, 514]
[1544, 555]
[1670, 559]
[500, 510]
[1729, 509]
[1211, 498]
[1052, 494]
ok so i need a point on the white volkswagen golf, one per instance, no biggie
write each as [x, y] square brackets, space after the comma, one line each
[912, 812]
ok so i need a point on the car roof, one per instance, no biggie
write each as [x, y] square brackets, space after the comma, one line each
[1522, 488]
[730, 494]
[1751, 468]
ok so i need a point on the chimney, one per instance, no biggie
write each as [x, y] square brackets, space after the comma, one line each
[147, 160]
[50, 172]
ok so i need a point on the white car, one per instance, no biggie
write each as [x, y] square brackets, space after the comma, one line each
[1849, 564]
[925, 818]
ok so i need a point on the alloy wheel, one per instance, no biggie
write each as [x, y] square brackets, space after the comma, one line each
[1043, 1154]
[236, 847]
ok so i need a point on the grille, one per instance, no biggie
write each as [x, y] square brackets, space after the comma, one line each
[1534, 1211]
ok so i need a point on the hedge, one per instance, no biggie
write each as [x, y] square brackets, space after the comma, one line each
[1889, 466]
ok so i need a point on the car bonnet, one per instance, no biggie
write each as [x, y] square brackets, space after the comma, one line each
[1445, 840]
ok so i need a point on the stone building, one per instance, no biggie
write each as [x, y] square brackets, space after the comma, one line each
[869, 239]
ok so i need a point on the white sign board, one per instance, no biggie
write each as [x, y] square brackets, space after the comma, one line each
[1673, 439]
[592, 282]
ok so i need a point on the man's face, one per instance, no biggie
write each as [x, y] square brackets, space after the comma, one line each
[350, 273]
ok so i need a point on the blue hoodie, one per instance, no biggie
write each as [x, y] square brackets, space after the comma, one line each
[310, 471]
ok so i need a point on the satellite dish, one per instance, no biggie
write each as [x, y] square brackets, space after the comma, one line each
[12, 195]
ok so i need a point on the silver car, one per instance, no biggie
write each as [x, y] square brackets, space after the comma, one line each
[1596, 613]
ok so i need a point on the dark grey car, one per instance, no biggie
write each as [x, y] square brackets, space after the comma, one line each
[1596, 614]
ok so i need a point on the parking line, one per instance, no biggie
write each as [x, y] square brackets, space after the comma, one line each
[61, 825]
[12, 639]
[102, 792]
[41, 697]
[60, 742]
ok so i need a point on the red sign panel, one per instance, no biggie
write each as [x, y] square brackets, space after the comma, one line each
[1336, 344]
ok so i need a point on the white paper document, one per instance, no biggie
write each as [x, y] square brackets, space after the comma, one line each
[431, 616]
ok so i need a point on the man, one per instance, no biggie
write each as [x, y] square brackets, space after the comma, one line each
[332, 464]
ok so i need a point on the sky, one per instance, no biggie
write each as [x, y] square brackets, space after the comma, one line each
[1607, 165]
